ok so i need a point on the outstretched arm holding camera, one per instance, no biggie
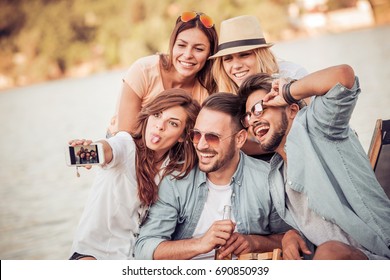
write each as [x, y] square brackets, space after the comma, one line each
[107, 149]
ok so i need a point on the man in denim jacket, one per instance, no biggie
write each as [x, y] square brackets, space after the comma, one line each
[321, 181]
[186, 222]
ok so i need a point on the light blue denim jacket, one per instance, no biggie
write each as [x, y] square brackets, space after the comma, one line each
[175, 215]
[327, 163]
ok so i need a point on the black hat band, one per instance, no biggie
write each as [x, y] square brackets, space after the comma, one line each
[240, 43]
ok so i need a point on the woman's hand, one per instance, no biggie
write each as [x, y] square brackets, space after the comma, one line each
[81, 142]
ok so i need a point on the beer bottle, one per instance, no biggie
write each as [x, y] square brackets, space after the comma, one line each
[227, 215]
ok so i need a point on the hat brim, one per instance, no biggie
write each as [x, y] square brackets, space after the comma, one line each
[239, 49]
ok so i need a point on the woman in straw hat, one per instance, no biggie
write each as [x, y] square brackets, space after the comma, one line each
[243, 51]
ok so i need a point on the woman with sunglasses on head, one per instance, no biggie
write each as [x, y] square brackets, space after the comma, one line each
[135, 163]
[192, 41]
[243, 51]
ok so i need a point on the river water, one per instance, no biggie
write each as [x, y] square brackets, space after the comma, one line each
[42, 199]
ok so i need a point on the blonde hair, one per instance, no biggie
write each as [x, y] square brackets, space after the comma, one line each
[266, 63]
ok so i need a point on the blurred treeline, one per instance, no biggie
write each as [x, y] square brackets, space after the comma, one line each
[47, 39]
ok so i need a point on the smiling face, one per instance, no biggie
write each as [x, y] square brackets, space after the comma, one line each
[239, 66]
[223, 156]
[164, 129]
[271, 126]
[190, 52]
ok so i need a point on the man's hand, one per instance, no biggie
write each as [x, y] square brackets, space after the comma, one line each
[292, 245]
[275, 96]
[185, 249]
[236, 244]
[217, 235]
[89, 258]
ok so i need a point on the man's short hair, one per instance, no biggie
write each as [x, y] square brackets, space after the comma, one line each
[260, 81]
[227, 103]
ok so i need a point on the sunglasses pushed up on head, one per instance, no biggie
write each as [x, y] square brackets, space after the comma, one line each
[204, 19]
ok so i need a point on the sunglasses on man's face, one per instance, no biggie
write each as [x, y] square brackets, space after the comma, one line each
[204, 19]
[212, 139]
[257, 110]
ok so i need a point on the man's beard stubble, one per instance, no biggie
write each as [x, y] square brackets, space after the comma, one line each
[276, 137]
[222, 161]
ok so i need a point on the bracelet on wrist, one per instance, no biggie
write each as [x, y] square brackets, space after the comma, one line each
[287, 94]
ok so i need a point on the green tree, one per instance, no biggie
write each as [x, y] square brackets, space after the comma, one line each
[45, 39]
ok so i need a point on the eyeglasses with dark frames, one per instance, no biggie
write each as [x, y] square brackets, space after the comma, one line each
[257, 110]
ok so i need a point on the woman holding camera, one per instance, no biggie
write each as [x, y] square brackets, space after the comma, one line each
[126, 185]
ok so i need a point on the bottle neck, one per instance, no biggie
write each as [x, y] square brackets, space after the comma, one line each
[227, 213]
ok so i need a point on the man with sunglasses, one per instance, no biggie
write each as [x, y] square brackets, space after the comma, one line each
[321, 181]
[186, 222]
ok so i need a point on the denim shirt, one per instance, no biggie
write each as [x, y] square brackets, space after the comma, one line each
[176, 214]
[327, 163]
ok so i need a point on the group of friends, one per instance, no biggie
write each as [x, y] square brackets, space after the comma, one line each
[188, 138]
[85, 156]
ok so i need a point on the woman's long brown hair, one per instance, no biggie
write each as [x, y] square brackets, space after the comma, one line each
[182, 155]
[204, 75]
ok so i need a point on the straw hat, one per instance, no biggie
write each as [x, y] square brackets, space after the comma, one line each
[240, 34]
